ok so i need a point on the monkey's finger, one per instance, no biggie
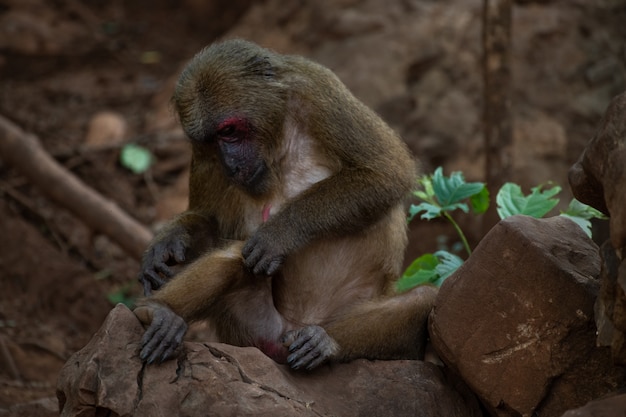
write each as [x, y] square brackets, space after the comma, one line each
[304, 345]
[163, 268]
[267, 265]
[178, 251]
[248, 248]
[163, 337]
[172, 341]
[304, 360]
[252, 258]
[149, 343]
[152, 337]
[320, 360]
[306, 339]
[151, 281]
[274, 266]
[155, 348]
[147, 288]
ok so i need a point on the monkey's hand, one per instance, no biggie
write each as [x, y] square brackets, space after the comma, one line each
[164, 252]
[264, 254]
[309, 347]
[164, 335]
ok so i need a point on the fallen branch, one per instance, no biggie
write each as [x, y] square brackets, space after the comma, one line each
[24, 153]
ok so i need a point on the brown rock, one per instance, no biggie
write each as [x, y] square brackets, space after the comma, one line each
[598, 178]
[216, 379]
[516, 320]
[613, 406]
[610, 306]
[106, 128]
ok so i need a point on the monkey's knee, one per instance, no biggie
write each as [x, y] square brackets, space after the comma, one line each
[423, 297]
[145, 314]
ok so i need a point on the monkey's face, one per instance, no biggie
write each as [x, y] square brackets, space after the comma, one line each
[230, 100]
[240, 153]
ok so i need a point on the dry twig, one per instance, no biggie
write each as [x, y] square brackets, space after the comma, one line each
[24, 153]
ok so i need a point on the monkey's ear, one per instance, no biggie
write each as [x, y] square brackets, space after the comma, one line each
[261, 65]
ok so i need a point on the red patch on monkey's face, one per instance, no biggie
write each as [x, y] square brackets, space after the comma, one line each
[233, 129]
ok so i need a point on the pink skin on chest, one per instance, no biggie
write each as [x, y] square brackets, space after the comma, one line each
[265, 215]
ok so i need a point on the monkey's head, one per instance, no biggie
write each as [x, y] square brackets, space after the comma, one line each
[230, 99]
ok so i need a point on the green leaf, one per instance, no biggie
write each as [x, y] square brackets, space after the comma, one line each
[121, 297]
[480, 201]
[426, 193]
[453, 189]
[421, 271]
[578, 209]
[429, 269]
[448, 264]
[581, 214]
[511, 201]
[136, 158]
[431, 211]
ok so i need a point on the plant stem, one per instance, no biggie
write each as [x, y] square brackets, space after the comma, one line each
[459, 231]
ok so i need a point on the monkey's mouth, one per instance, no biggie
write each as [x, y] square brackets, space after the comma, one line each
[253, 182]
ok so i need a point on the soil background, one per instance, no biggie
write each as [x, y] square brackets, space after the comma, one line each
[87, 77]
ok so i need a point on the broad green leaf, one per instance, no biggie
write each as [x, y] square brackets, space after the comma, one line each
[453, 189]
[448, 264]
[578, 209]
[581, 214]
[429, 269]
[480, 201]
[426, 261]
[136, 158]
[511, 201]
[421, 271]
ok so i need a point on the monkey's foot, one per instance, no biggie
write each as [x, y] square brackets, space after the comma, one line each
[309, 347]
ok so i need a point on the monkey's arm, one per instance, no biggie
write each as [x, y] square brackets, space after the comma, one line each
[178, 242]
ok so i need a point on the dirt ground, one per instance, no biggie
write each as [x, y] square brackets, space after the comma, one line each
[61, 63]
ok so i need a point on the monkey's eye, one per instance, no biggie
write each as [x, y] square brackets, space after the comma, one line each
[227, 130]
[233, 129]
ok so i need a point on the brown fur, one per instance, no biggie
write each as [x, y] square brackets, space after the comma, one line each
[336, 179]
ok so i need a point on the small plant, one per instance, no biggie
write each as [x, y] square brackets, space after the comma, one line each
[136, 158]
[123, 295]
[440, 195]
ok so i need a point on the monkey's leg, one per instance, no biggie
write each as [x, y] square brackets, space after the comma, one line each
[191, 295]
[389, 328]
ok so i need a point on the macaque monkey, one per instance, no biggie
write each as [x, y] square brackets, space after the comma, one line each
[296, 230]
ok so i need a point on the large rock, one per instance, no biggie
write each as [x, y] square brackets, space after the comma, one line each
[598, 178]
[516, 320]
[612, 406]
[216, 379]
